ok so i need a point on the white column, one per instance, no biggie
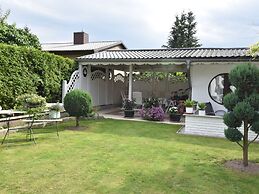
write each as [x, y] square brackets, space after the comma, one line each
[107, 85]
[88, 78]
[112, 89]
[64, 89]
[130, 81]
[80, 69]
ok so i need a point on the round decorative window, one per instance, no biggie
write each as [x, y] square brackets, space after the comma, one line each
[219, 86]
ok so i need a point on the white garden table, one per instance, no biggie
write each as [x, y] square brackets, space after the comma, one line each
[41, 121]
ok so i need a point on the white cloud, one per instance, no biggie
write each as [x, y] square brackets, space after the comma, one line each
[139, 23]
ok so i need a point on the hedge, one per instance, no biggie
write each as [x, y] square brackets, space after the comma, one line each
[28, 70]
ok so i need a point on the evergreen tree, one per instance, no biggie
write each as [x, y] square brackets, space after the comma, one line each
[183, 32]
[243, 107]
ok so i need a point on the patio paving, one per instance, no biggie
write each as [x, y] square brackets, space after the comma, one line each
[118, 114]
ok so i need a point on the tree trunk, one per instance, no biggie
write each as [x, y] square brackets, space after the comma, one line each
[245, 145]
[77, 121]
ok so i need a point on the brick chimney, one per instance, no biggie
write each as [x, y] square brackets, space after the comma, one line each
[81, 38]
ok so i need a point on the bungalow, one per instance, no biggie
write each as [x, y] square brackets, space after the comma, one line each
[206, 69]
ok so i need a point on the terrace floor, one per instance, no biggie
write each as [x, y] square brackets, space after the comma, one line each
[118, 114]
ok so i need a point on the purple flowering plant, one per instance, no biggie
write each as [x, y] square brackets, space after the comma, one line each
[152, 111]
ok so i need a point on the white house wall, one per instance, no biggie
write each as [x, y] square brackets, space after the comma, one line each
[202, 74]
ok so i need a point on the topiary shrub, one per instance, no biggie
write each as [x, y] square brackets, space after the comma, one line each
[78, 104]
[243, 106]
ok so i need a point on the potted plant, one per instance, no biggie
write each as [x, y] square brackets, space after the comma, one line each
[54, 111]
[128, 108]
[202, 107]
[189, 106]
[174, 114]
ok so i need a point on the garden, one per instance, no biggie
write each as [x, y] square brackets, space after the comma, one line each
[111, 156]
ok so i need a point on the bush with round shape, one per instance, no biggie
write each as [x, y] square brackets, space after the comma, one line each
[233, 134]
[230, 101]
[78, 104]
[231, 121]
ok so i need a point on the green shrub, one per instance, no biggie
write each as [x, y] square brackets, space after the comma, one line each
[28, 70]
[189, 103]
[31, 103]
[202, 106]
[78, 104]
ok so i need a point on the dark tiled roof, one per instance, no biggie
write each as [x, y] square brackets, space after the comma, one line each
[95, 46]
[167, 54]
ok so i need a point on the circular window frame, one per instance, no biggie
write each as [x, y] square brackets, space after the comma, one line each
[221, 74]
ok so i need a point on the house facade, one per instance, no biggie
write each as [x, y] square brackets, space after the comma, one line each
[205, 68]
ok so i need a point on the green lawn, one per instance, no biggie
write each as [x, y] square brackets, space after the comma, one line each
[121, 157]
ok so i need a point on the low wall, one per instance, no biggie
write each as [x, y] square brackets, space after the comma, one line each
[212, 126]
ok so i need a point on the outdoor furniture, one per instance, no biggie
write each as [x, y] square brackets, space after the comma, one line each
[137, 96]
[123, 97]
[30, 131]
[210, 111]
[31, 122]
[9, 113]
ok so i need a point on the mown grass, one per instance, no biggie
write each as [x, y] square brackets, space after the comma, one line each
[121, 157]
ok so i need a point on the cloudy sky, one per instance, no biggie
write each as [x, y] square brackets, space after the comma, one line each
[138, 23]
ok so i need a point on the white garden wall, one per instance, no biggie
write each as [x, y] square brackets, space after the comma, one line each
[212, 126]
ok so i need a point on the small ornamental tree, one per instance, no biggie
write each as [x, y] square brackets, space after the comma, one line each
[31, 103]
[243, 106]
[78, 104]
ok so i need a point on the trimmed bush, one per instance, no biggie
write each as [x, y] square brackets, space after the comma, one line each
[78, 104]
[27, 70]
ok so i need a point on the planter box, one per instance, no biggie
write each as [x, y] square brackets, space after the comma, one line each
[176, 118]
[129, 113]
[189, 110]
[54, 115]
[202, 112]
